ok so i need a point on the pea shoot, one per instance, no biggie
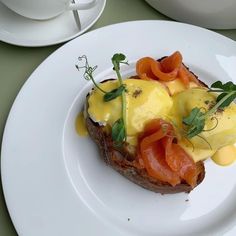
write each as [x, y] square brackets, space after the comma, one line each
[196, 119]
[119, 133]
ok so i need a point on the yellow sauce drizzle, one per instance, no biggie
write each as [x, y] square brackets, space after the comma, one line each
[80, 126]
[225, 156]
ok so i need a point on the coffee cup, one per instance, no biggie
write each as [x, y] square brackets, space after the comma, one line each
[45, 9]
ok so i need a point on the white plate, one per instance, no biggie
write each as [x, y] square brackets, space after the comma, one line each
[214, 14]
[55, 182]
[18, 30]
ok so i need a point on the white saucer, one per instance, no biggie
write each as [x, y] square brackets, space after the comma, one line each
[21, 31]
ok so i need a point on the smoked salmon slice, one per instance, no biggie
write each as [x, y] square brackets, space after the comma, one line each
[162, 157]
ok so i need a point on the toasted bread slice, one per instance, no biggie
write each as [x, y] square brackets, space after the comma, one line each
[123, 159]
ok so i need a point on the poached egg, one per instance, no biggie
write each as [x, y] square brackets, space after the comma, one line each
[147, 100]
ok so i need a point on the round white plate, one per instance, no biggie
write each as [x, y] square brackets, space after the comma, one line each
[55, 182]
[214, 14]
[18, 30]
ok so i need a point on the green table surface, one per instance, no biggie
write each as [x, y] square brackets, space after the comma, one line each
[17, 63]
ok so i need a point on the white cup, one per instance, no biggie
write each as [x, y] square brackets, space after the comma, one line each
[45, 9]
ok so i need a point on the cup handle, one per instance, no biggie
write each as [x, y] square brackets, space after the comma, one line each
[82, 6]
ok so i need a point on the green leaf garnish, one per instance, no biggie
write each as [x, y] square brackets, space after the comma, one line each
[118, 132]
[88, 72]
[118, 59]
[227, 101]
[114, 93]
[119, 127]
[195, 121]
[227, 93]
[227, 87]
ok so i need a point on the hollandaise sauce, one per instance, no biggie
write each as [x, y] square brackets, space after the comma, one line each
[147, 100]
[80, 125]
[225, 156]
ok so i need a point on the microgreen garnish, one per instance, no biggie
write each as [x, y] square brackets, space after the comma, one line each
[88, 73]
[227, 90]
[118, 132]
[114, 93]
[119, 127]
[195, 121]
[118, 59]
